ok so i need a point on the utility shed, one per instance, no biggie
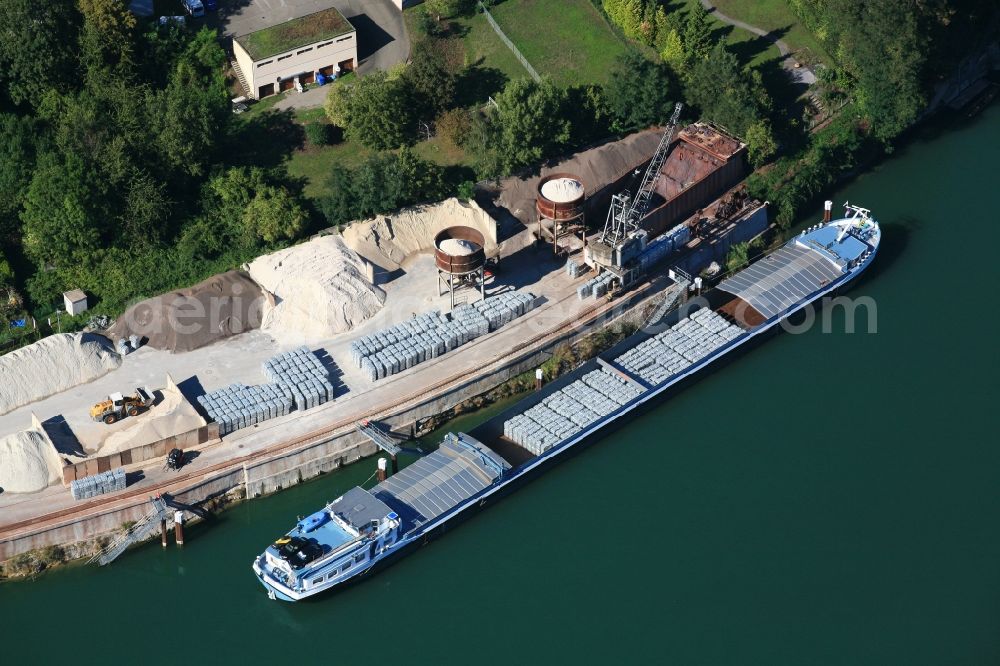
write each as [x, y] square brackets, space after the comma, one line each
[75, 301]
[273, 58]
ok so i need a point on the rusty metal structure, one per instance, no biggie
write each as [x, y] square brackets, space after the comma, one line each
[460, 270]
[705, 162]
[560, 219]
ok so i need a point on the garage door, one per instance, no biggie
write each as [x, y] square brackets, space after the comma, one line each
[286, 84]
[265, 90]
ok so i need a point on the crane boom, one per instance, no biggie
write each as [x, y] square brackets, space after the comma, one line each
[626, 211]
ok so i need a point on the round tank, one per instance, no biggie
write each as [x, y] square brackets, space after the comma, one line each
[560, 196]
[459, 250]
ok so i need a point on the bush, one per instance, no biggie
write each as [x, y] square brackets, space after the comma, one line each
[454, 126]
[385, 182]
[318, 134]
[466, 190]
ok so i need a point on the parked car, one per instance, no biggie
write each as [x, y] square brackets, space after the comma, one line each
[194, 7]
[240, 104]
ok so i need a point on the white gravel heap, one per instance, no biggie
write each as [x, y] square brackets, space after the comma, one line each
[562, 190]
[320, 290]
[28, 462]
[412, 230]
[52, 365]
[457, 247]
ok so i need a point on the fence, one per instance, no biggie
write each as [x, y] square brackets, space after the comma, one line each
[510, 44]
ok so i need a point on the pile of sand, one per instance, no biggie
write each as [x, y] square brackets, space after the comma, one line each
[320, 289]
[596, 168]
[28, 462]
[457, 247]
[562, 190]
[52, 365]
[174, 415]
[221, 306]
[388, 239]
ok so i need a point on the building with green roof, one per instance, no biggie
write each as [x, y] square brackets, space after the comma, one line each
[297, 51]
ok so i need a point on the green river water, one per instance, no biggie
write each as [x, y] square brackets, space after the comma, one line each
[824, 499]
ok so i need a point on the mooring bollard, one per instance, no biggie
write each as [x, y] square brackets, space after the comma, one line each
[539, 376]
[179, 527]
[382, 465]
[163, 532]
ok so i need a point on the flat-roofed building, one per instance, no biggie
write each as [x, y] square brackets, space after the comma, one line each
[273, 58]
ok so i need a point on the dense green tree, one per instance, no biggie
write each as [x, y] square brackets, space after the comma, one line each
[531, 123]
[18, 138]
[889, 89]
[383, 183]
[761, 145]
[725, 92]
[107, 38]
[193, 110]
[190, 115]
[588, 112]
[697, 38]
[160, 48]
[481, 143]
[37, 47]
[454, 125]
[61, 220]
[374, 110]
[243, 208]
[273, 215]
[890, 53]
[429, 79]
[639, 93]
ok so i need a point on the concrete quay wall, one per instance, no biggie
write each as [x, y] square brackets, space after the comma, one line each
[345, 446]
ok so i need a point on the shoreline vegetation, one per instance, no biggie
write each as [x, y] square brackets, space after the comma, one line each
[125, 174]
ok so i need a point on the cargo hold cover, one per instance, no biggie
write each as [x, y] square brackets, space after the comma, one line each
[781, 279]
[437, 482]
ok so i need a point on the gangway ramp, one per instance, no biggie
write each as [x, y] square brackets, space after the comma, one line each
[136, 533]
[381, 439]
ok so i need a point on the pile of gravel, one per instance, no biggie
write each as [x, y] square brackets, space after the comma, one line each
[52, 365]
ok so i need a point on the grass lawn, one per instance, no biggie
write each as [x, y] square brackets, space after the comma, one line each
[484, 48]
[313, 164]
[750, 48]
[569, 40]
[441, 152]
[776, 15]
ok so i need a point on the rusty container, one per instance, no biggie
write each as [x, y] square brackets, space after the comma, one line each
[460, 264]
[559, 210]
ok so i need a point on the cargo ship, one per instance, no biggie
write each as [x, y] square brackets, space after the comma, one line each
[351, 535]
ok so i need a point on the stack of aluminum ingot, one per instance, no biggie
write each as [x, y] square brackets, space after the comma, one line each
[569, 411]
[432, 334]
[677, 348]
[303, 374]
[575, 268]
[238, 406]
[92, 486]
[299, 380]
[596, 286]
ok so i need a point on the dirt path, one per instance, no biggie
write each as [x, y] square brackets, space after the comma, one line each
[801, 74]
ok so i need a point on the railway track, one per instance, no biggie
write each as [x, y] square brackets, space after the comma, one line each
[184, 480]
